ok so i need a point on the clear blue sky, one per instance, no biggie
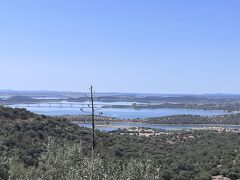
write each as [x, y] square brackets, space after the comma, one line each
[152, 46]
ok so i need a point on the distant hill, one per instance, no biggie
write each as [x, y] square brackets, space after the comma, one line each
[21, 99]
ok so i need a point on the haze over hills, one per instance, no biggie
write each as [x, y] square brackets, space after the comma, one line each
[75, 93]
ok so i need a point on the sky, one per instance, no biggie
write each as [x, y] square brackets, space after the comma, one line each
[148, 46]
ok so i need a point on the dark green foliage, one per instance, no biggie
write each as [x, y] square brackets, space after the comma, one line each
[179, 155]
[230, 119]
[4, 171]
[13, 114]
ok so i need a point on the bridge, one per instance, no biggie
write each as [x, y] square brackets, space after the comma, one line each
[57, 105]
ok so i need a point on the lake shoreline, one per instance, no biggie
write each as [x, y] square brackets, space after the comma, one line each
[131, 122]
[162, 127]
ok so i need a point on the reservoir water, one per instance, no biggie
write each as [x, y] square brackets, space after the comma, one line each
[121, 113]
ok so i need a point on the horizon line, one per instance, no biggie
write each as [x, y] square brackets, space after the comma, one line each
[69, 91]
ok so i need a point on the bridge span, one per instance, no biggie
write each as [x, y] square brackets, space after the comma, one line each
[57, 105]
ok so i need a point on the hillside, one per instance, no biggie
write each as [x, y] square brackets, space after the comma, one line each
[229, 119]
[20, 99]
[7, 113]
[176, 155]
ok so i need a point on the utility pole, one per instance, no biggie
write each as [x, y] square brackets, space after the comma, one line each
[92, 112]
[93, 118]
